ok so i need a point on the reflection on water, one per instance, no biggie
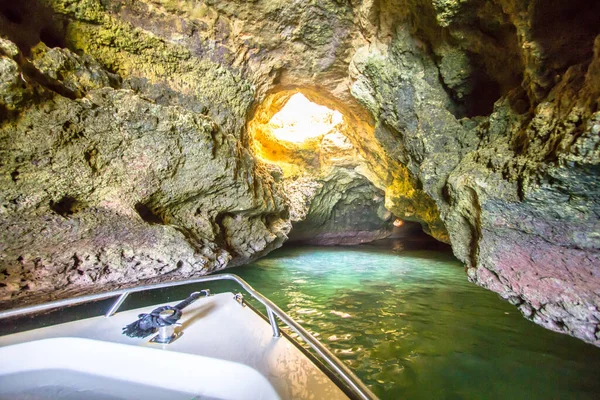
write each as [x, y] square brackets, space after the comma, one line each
[411, 326]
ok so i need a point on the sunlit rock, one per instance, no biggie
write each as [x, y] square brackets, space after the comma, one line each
[330, 201]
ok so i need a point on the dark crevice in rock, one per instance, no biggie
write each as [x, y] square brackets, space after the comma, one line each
[484, 95]
[221, 232]
[566, 31]
[475, 86]
[446, 196]
[66, 206]
[147, 214]
[5, 115]
[26, 22]
[76, 262]
[52, 38]
[90, 157]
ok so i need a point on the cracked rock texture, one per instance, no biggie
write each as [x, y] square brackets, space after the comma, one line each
[110, 188]
[127, 152]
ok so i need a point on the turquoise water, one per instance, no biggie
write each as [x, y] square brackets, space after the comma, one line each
[412, 327]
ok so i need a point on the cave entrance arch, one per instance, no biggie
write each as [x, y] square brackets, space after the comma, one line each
[339, 168]
[309, 141]
[300, 120]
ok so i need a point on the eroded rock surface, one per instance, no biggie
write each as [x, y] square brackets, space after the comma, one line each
[478, 119]
[110, 188]
[517, 190]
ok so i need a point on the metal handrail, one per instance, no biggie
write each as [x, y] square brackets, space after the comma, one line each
[353, 382]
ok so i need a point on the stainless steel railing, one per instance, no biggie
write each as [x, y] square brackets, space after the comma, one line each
[353, 382]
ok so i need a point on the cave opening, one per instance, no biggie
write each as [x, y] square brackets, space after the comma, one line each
[309, 142]
[298, 133]
[300, 119]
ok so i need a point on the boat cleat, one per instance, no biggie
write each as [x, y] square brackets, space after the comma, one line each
[167, 334]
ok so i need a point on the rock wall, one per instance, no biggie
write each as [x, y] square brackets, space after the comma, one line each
[103, 186]
[479, 119]
[345, 209]
[512, 167]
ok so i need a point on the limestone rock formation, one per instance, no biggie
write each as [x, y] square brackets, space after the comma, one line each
[516, 183]
[129, 131]
[109, 188]
[345, 209]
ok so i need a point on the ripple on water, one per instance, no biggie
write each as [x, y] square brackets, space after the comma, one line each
[411, 326]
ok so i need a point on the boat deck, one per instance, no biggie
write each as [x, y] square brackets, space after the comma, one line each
[217, 327]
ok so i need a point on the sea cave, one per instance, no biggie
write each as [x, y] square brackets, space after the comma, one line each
[419, 150]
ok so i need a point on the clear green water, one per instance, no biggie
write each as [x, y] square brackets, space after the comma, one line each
[412, 327]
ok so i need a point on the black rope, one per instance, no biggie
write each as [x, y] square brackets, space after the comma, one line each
[147, 324]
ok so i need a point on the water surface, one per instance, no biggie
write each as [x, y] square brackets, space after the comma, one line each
[412, 327]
